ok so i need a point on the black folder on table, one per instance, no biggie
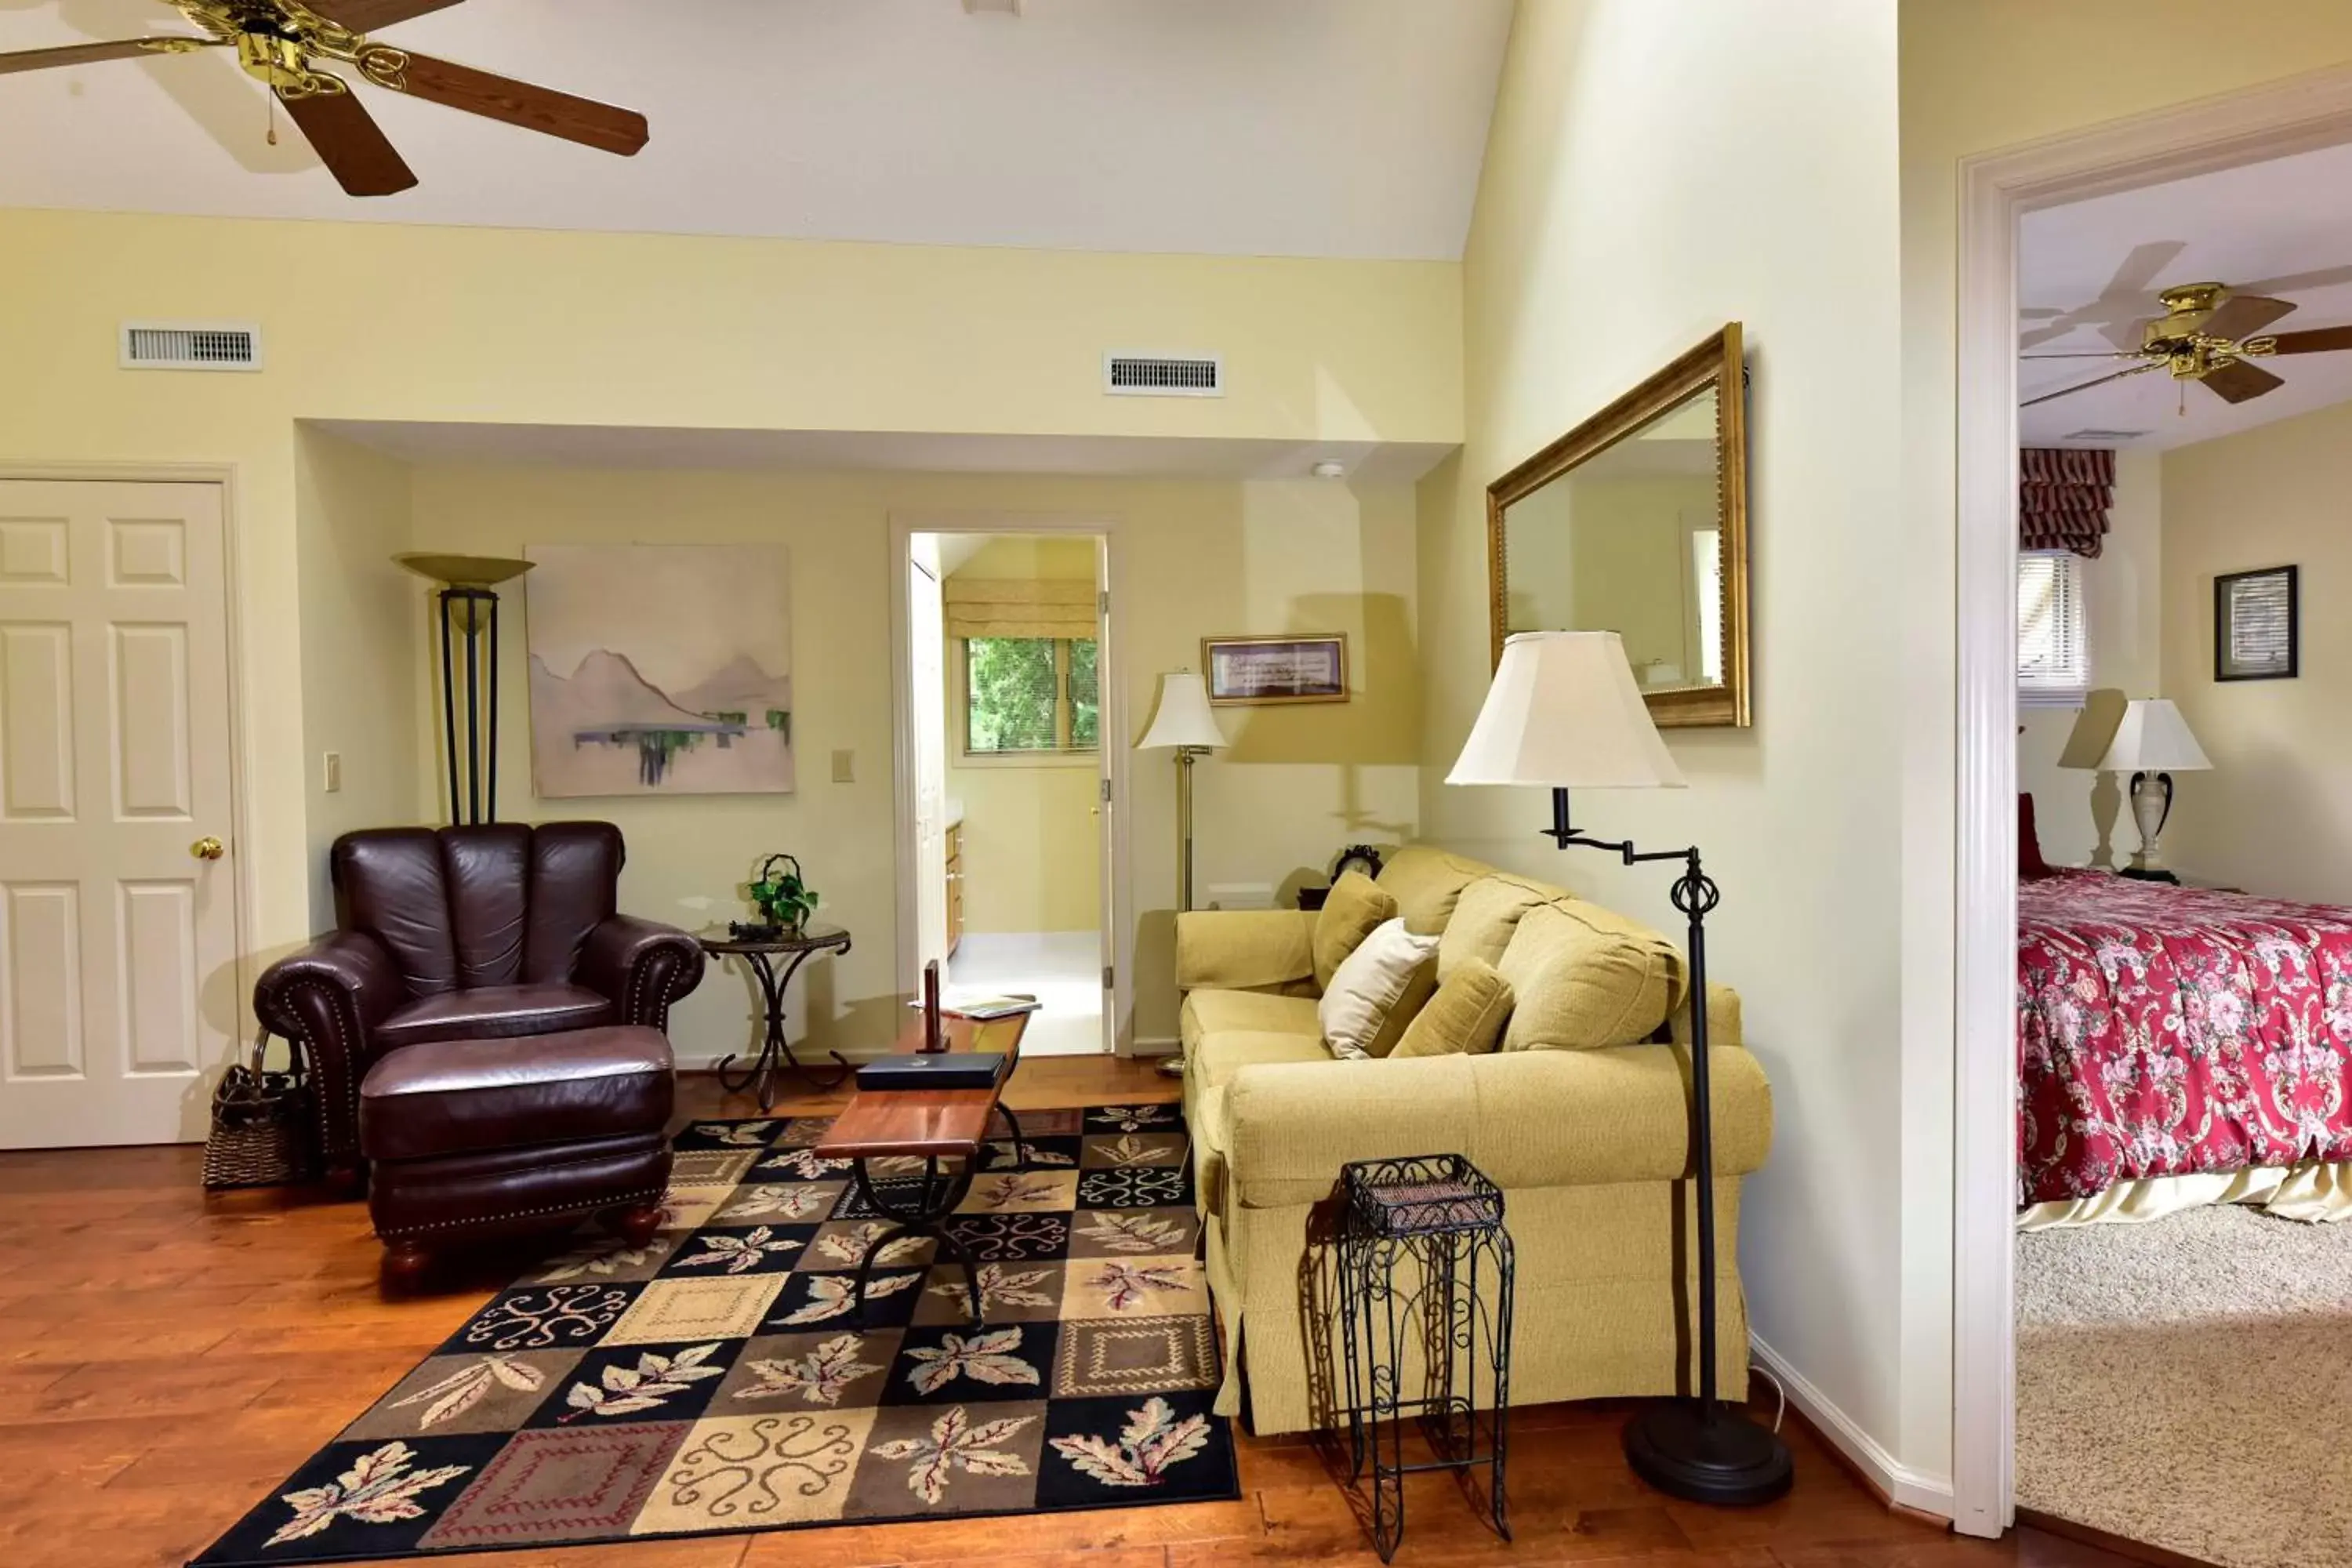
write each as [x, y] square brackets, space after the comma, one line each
[934, 1070]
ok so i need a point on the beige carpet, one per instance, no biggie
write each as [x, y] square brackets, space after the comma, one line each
[2187, 1382]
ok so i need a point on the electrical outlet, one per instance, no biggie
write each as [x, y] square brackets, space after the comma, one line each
[332, 771]
[844, 767]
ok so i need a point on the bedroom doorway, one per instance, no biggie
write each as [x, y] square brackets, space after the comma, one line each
[2071, 658]
[1009, 826]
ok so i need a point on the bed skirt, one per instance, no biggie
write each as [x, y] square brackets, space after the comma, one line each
[2315, 1192]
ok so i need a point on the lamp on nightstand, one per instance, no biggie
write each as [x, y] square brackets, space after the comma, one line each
[1563, 712]
[2152, 743]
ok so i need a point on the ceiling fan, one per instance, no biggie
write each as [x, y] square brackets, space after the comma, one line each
[286, 44]
[2211, 335]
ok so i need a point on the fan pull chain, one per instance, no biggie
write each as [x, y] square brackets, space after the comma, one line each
[273, 118]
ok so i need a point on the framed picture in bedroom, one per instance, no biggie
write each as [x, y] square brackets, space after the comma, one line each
[660, 670]
[2257, 625]
[1244, 672]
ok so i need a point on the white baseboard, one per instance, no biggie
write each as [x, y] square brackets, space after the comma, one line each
[1905, 1487]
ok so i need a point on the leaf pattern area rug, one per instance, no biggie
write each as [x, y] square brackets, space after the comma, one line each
[719, 1379]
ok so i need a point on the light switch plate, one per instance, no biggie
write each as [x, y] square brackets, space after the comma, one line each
[332, 771]
[844, 767]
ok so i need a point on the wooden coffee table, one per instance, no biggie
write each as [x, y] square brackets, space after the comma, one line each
[932, 1125]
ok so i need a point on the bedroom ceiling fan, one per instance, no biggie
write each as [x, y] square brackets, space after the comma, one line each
[2211, 335]
[287, 43]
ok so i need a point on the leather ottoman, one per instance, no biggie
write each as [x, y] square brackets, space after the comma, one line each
[479, 1138]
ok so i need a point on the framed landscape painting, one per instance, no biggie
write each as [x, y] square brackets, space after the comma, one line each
[660, 670]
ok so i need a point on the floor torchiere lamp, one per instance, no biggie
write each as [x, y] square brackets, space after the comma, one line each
[1184, 723]
[1563, 712]
[469, 609]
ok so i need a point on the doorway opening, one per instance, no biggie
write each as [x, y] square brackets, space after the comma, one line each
[1009, 827]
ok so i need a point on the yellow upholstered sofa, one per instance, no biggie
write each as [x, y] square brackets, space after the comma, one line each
[1581, 1116]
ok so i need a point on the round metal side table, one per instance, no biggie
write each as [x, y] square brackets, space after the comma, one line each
[773, 961]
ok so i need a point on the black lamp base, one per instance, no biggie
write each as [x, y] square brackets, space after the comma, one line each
[1713, 1456]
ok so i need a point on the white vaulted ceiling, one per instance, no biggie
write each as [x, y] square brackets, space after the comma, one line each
[1341, 128]
[2089, 271]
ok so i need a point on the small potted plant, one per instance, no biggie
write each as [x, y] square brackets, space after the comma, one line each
[783, 898]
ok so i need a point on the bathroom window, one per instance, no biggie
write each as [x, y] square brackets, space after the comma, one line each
[1030, 696]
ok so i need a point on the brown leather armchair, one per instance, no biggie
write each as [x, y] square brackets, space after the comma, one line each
[467, 933]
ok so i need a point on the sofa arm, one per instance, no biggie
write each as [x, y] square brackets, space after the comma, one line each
[1244, 950]
[328, 1000]
[1527, 1119]
[643, 966]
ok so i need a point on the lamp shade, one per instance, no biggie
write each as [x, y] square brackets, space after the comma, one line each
[1563, 712]
[1182, 718]
[2154, 738]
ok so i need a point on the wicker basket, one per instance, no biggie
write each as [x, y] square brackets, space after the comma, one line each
[262, 1127]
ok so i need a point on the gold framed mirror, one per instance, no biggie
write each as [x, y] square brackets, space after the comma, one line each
[1636, 522]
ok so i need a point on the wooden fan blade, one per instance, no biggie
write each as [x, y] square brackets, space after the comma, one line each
[2241, 316]
[542, 108]
[91, 53]
[2318, 340]
[367, 15]
[350, 143]
[2238, 380]
[2069, 392]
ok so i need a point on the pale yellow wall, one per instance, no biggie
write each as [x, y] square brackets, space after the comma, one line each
[1191, 557]
[1630, 542]
[1979, 76]
[2275, 816]
[1032, 838]
[1656, 168]
[360, 646]
[2081, 816]
[384, 322]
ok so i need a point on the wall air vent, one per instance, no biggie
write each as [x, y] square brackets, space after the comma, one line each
[2104, 437]
[191, 345]
[1164, 375]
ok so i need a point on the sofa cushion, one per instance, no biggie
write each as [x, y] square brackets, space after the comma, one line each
[1214, 1012]
[496, 1012]
[1425, 883]
[1365, 990]
[1355, 906]
[1466, 1016]
[1584, 978]
[1221, 1055]
[1484, 920]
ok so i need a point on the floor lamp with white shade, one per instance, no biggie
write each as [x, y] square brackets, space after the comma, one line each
[1564, 712]
[1184, 724]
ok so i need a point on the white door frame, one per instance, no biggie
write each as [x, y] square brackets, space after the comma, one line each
[244, 892]
[1119, 951]
[1996, 190]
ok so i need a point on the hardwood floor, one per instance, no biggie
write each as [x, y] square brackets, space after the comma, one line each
[165, 1359]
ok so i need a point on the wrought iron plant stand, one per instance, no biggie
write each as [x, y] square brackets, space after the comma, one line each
[1425, 1275]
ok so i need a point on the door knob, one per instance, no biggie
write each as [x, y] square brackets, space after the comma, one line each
[208, 850]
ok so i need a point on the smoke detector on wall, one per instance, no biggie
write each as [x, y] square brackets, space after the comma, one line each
[993, 8]
[2103, 437]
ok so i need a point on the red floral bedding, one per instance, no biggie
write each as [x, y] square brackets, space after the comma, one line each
[2163, 1031]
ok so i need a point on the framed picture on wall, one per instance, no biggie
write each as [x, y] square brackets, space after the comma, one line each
[1254, 671]
[2257, 628]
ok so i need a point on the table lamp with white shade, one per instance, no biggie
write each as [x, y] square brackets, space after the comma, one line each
[2152, 743]
[1564, 712]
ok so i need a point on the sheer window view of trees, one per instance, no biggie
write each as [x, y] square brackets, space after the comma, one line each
[1031, 695]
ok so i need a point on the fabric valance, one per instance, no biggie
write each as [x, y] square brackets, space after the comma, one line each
[1019, 607]
[2063, 498]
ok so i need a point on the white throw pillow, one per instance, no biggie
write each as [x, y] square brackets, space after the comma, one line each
[1367, 986]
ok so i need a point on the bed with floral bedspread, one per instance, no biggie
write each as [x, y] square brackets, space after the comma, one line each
[2168, 1031]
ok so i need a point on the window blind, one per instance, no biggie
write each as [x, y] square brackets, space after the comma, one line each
[2054, 651]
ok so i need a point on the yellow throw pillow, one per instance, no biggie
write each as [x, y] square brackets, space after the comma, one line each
[1466, 1015]
[1350, 912]
[1585, 977]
